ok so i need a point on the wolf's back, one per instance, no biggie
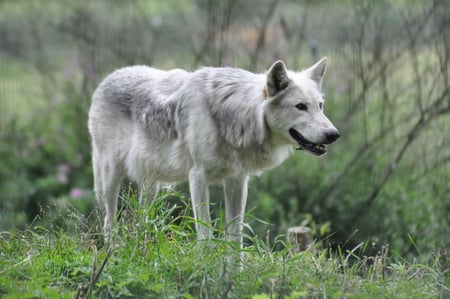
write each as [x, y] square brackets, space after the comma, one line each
[137, 95]
[124, 90]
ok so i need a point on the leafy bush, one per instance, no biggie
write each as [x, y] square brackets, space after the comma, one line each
[46, 161]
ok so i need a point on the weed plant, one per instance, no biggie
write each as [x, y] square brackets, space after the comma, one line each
[153, 253]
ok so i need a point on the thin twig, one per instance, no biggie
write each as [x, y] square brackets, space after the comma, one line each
[91, 281]
[95, 274]
[262, 35]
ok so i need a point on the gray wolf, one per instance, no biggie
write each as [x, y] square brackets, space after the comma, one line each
[213, 125]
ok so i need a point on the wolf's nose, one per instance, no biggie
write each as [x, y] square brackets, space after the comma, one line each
[332, 135]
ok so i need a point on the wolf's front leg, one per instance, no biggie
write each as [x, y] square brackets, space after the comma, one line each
[235, 189]
[199, 189]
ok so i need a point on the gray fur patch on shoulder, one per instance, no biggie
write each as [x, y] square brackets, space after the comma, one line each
[156, 118]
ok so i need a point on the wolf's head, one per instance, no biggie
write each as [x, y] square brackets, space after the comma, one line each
[294, 109]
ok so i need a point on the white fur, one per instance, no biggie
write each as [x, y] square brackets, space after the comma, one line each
[212, 125]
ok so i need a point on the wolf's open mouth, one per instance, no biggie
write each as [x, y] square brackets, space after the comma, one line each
[316, 149]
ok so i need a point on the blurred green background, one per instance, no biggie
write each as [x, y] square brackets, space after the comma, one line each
[387, 180]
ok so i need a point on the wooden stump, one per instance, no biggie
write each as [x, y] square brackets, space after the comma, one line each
[300, 238]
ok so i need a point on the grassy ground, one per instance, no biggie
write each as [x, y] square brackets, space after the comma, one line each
[154, 255]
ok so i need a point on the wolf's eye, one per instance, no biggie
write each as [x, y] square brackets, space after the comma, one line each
[321, 106]
[301, 107]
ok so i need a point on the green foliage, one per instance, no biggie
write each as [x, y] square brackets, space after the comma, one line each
[153, 254]
[45, 161]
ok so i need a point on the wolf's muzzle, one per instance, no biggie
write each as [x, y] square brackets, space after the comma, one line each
[331, 136]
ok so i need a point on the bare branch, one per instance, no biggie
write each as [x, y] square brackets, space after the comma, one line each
[427, 116]
[262, 35]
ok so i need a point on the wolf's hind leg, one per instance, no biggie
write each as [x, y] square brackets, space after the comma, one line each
[98, 177]
[112, 177]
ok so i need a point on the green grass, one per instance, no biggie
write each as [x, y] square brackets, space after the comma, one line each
[154, 254]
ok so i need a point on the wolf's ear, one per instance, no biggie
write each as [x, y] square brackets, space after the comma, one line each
[277, 78]
[317, 71]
